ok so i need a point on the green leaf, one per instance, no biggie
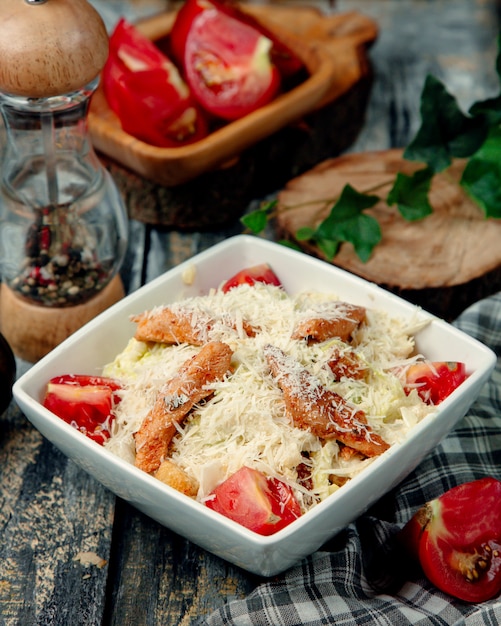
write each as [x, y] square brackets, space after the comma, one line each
[305, 233]
[445, 131]
[410, 194]
[481, 177]
[329, 247]
[256, 221]
[289, 244]
[490, 109]
[347, 222]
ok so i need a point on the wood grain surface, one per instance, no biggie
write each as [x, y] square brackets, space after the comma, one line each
[54, 519]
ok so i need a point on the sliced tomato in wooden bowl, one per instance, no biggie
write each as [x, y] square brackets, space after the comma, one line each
[189, 10]
[148, 94]
[457, 540]
[286, 61]
[228, 66]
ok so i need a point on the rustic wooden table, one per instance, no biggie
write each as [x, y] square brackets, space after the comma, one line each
[72, 553]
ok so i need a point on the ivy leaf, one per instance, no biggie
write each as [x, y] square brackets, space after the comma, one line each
[490, 109]
[329, 247]
[347, 222]
[305, 233]
[445, 131]
[256, 221]
[410, 194]
[289, 244]
[481, 177]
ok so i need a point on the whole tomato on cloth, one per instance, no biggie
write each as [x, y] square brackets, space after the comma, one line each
[261, 273]
[435, 380]
[264, 505]
[226, 62]
[457, 540]
[84, 402]
[146, 91]
[287, 62]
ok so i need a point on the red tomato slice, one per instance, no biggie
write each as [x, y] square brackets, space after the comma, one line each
[257, 274]
[457, 539]
[435, 380]
[85, 402]
[182, 24]
[227, 65]
[264, 505]
[282, 56]
[144, 88]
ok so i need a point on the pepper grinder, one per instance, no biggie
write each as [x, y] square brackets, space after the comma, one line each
[63, 226]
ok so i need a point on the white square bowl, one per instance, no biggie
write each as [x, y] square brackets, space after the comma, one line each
[97, 343]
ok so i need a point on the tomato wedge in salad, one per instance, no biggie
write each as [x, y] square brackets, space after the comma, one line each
[261, 273]
[85, 402]
[435, 380]
[146, 91]
[228, 66]
[457, 540]
[264, 505]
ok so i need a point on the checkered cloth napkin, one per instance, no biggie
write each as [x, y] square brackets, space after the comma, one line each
[361, 577]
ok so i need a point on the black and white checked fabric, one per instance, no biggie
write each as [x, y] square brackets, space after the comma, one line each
[362, 576]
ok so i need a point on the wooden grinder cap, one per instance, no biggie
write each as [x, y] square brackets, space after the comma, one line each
[49, 47]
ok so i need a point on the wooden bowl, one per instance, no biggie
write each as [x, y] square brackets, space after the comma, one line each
[329, 75]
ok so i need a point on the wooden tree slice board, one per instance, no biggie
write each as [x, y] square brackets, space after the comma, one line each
[443, 263]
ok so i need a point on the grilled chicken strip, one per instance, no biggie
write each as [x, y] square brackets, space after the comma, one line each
[175, 325]
[346, 363]
[314, 407]
[333, 319]
[174, 401]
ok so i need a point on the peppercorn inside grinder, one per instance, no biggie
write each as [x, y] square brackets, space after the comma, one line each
[63, 226]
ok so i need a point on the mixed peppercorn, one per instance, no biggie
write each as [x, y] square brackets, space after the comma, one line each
[61, 268]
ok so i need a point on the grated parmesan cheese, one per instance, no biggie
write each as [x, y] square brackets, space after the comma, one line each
[244, 422]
